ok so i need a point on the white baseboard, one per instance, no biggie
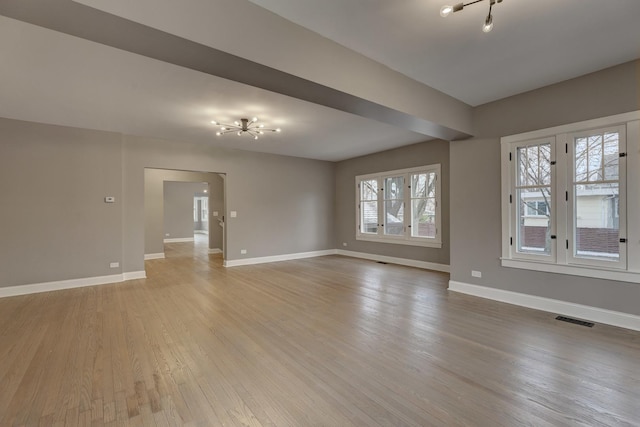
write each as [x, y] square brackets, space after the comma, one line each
[276, 258]
[594, 314]
[134, 275]
[154, 256]
[180, 240]
[393, 260]
[215, 251]
[35, 288]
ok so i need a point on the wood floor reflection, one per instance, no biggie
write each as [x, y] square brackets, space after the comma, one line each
[329, 341]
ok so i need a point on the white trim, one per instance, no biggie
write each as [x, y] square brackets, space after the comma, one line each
[154, 256]
[621, 262]
[628, 267]
[633, 196]
[215, 251]
[400, 171]
[583, 271]
[393, 260]
[134, 275]
[35, 288]
[277, 258]
[201, 232]
[179, 240]
[594, 314]
[406, 238]
[410, 241]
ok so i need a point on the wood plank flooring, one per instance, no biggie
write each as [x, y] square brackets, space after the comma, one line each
[328, 341]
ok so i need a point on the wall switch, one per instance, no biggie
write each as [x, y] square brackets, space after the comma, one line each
[215, 213]
[344, 243]
[475, 273]
[114, 265]
[243, 251]
[233, 214]
[109, 199]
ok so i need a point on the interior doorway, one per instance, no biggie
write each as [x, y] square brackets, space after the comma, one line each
[184, 214]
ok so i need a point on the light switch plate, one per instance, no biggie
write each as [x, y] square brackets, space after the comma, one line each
[233, 214]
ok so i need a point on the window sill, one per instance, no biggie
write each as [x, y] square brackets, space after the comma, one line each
[593, 272]
[400, 241]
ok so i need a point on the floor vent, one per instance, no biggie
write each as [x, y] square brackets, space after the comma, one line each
[576, 321]
[381, 262]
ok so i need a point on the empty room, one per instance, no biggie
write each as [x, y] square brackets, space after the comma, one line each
[319, 213]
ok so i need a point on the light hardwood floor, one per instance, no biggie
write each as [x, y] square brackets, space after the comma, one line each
[328, 341]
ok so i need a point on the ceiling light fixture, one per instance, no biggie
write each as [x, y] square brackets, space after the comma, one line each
[251, 127]
[446, 10]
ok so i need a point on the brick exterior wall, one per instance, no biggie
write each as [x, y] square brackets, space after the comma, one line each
[604, 240]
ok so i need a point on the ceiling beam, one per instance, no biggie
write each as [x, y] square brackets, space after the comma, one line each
[88, 23]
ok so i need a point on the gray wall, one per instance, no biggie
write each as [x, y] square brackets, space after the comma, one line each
[154, 204]
[55, 224]
[284, 205]
[475, 185]
[426, 153]
[178, 208]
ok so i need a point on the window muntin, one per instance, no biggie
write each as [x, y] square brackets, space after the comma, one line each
[406, 206]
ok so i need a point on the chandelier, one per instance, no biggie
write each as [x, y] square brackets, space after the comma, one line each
[244, 126]
[488, 22]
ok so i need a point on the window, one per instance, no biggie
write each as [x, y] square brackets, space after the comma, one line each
[595, 184]
[204, 206]
[368, 204]
[566, 200]
[537, 208]
[201, 209]
[400, 207]
[533, 223]
[393, 212]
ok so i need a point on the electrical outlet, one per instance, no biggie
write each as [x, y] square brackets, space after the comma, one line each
[215, 213]
[114, 265]
[476, 273]
[167, 234]
[344, 243]
[233, 214]
[243, 251]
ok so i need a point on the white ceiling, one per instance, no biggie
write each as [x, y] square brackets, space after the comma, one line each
[55, 78]
[534, 43]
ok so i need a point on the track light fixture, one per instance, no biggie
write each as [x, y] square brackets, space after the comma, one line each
[250, 127]
[446, 10]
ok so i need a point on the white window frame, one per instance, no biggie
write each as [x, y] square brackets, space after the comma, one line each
[628, 269]
[551, 258]
[406, 238]
[621, 263]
